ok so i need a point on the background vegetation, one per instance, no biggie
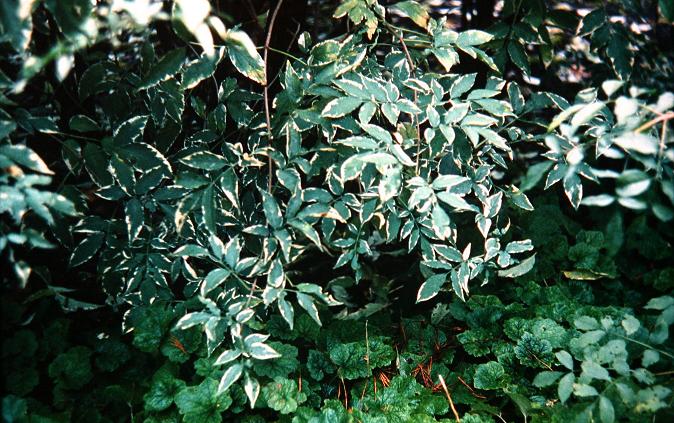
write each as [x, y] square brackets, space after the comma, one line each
[337, 211]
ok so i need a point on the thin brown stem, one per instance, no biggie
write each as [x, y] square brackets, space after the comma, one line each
[662, 118]
[267, 115]
[449, 398]
[250, 294]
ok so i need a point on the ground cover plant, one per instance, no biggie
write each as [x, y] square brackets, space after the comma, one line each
[339, 211]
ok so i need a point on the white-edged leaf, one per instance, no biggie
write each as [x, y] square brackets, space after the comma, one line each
[86, 249]
[231, 375]
[215, 278]
[307, 302]
[431, 287]
[244, 56]
[134, 218]
[262, 351]
[271, 210]
[341, 106]
[192, 319]
[252, 388]
[520, 269]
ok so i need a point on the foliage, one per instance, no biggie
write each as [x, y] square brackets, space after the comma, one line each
[362, 237]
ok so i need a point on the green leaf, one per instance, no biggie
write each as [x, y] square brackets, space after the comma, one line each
[546, 378]
[606, 411]
[318, 365]
[244, 56]
[163, 391]
[583, 390]
[72, 368]
[592, 21]
[24, 156]
[515, 96]
[82, 123]
[594, 370]
[660, 303]
[86, 249]
[283, 366]
[620, 54]
[202, 403]
[565, 387]
[168, 66]
[96, 163]
[359, 142]
[283, 395]
[287, 311]
[431, 287]
[341, 106]
[666, 8]
[586, 323]
[519, 56]
[490, 375]
[565, 358]
[14, 409]
[631, 324]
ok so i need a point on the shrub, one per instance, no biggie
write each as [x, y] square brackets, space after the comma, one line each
[360, 237]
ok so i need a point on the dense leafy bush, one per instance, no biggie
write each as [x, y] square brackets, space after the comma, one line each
[364, 236]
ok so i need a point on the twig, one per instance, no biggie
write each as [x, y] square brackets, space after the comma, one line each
[472, 391]
[367, 360]
[250, 294]
[266, 89]
[655, 121]
[449, 398]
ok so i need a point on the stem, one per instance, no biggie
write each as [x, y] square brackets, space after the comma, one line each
[266, 91]
[290, 56]
[662, 118]
[449, 398]
[650, 347]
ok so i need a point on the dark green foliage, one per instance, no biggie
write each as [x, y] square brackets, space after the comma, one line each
[365, 236]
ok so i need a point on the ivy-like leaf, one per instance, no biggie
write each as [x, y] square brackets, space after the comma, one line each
[202, 403]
